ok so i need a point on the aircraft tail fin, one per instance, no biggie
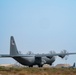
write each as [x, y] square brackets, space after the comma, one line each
[13, 48]
[74, 65]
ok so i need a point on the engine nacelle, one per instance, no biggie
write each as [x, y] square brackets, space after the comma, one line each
[62, 56]
[49, 57]
[51, 52]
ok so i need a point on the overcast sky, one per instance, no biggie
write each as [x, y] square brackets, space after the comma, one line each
[38, 26]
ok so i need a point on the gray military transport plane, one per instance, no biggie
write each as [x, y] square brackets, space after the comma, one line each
[31, 59]
[73, 66]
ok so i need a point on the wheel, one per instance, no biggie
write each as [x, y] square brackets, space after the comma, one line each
[31, 66]
[40, 65]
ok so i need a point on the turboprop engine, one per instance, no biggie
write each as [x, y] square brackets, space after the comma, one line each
[63, 53]
[51, 52]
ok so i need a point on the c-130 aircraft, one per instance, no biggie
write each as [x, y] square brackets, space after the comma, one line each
[31, 59]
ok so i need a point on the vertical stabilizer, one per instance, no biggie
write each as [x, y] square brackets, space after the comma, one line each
[13, 48]
[74, 65]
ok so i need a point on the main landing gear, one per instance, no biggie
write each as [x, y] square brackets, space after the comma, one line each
[40, 65]
[31, 66]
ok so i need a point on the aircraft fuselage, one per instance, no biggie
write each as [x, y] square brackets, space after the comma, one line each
[30, 61]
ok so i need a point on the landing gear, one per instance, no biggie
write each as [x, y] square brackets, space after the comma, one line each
[31, 66]
[40, 65]
[50, 64]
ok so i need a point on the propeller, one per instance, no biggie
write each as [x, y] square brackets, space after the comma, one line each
[51, 52]
[63, 54]
[29, 53]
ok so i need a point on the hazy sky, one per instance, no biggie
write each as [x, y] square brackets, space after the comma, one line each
[38, 26]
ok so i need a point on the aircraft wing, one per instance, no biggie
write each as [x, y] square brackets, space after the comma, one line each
[20, 55]
[56, 54]
[37, 55]
[62, 55]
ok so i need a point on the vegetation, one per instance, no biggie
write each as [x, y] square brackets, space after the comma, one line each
[37, 71]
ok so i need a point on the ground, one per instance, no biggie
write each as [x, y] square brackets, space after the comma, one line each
[37, 71]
